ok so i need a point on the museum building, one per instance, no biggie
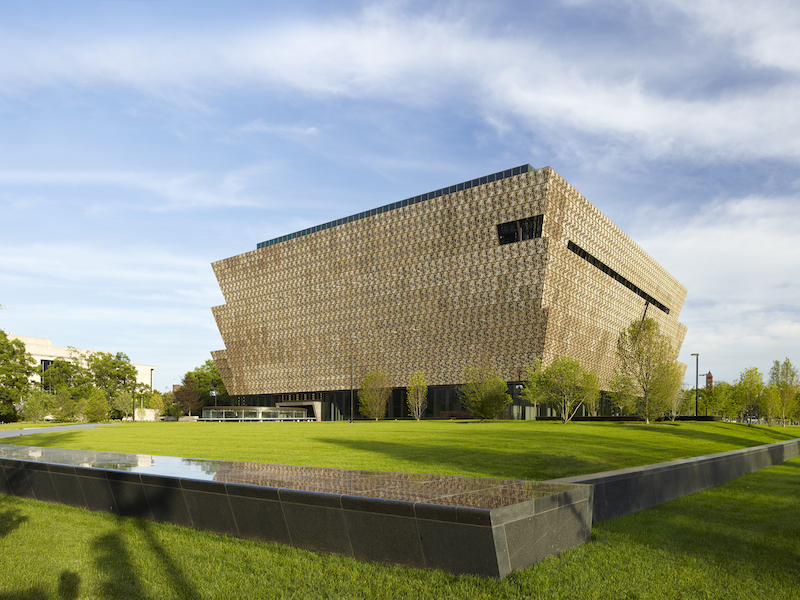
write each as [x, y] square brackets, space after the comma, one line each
[498, 270]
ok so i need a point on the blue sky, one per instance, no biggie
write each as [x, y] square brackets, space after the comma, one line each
[142, 140]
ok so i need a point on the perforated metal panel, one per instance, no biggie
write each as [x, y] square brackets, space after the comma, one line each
[429, 286]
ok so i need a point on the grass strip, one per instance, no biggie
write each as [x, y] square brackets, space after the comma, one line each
[505, 449]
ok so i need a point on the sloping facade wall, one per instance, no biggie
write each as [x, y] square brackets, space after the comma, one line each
[587, 307]
[428, 286]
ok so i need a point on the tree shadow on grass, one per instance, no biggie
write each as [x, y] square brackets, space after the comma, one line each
[115, 566]
[491, 463]
[181, 585]
[118, 578]
[45, 440]
[68, 589]
[10, 519]
[737, 441]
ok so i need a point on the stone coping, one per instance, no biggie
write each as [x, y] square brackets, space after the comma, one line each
[623, 491]
[459, 524]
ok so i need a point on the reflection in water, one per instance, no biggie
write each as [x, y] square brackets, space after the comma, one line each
[475, 492]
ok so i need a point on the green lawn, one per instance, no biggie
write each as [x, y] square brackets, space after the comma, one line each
[507, 449]
[740, 540]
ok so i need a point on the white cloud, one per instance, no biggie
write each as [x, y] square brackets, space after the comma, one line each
[738, 260]
[171, 191]
[383, 53]
[764, 33]
[103, 268]
[259, 126]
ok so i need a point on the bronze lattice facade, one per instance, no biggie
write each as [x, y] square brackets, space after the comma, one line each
[501, 269]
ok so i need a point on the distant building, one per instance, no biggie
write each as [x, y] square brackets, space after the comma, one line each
[44, 353]
[501, 269]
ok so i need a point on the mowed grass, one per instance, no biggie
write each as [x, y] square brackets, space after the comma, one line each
[505, 449]
[738, 541]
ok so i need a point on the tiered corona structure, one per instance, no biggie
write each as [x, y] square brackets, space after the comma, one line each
[499, 270]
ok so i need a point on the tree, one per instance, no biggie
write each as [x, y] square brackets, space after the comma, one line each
[688, 398]
[417, 394]
[565, 383]
[669, 387]
[96, 408]
[770, 403]
[170, 408]
[111, 373]
[646, 367]
[187, 397]
[719, 399]
[38, 404]
[747, 391]
[485, 393]
[531, 388]
[16, 367]
[783, 375]
[373, 395]
[621, 394]
[122, 403]
[153, 400]
[59, 372]
[207, 379]
[68, 405]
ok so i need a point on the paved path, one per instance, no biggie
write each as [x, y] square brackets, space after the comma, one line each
[7, 433]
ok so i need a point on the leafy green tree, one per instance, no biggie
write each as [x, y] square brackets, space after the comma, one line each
[565, 383]
[719, 399]
[783, 375]
[111, 373]
[688, 398]
[374, 394]
[16, 367]
[747, 391]
[96, 408]
[770, 403]
[669, 388]
[207, 378]
[171, 409]
[37, 404]
[122, 404]
[67, 372]
[187, 397]
[621, 394]
[417, 394]
[485, 393]
[69, 405]
[646, 367]
[152, 399]
[796, 411]
[531, 387]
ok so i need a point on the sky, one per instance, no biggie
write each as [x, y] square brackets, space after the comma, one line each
[142, 140]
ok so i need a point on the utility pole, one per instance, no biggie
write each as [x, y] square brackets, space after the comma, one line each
[351, 389]
[696, 378]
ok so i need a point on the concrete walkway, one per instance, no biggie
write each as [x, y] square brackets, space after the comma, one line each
[7, 433]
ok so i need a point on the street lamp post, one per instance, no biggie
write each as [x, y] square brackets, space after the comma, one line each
[351, 389]
[696, 379]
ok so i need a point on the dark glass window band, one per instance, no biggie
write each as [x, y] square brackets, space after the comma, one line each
[614, 275]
